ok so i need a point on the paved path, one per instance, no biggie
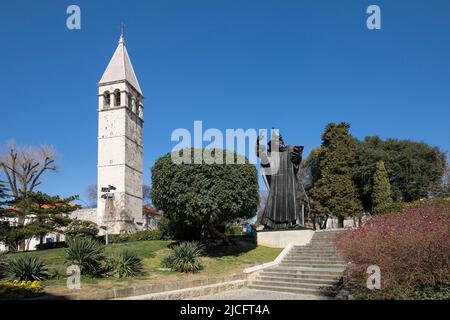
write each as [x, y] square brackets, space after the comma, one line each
[251, 294]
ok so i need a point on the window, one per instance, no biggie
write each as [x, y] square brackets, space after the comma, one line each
[117, 96]
[107, 99]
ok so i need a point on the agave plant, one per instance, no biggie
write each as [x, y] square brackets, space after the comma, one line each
[3, 264]
[87, 254]
[27, 268]
[185, 257]
[126, 264]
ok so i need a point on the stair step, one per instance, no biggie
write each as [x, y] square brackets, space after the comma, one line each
[297, 280]
[286, 289]
[313, 265]
[292, 284]
[309, 275]
[315, 261]
[313, 256]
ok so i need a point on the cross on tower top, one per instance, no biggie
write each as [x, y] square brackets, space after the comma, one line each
[122, 27]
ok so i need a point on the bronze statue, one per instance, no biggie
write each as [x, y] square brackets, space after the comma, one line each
[280, 164]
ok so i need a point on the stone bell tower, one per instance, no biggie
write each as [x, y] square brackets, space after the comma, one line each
[120, 120]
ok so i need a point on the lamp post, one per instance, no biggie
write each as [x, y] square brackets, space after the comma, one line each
[106, 194]
[106, 233]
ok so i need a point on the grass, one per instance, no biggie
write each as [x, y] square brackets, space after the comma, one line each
[217, 261]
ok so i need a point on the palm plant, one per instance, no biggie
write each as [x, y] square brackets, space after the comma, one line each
[126, 264]
[3, 264]
[27, 268]
[87, 254]
[185, 257]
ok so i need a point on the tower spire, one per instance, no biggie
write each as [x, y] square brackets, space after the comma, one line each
[122, 27]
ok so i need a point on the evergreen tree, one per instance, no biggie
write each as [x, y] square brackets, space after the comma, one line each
[381, 192]
[334, 193]
[204, 197]
[45, 214]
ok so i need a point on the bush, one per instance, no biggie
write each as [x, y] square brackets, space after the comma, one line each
[126, 264]
[19, 289]
[144, 235]
[27, 268]
[3, 264]
[185, 257]
[87, 254]
[411, 248]
[51, 245]
[197, 196]
[81, 228]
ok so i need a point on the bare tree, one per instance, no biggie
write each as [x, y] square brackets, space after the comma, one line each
[263, 195]
[147, 195]
[91, 193]
[23, 166]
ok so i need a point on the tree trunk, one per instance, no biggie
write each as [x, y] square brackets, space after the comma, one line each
[219, 234]
[340, 222]
[324, 224]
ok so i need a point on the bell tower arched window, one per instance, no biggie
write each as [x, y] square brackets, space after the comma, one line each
[117, 98]
[107, 99]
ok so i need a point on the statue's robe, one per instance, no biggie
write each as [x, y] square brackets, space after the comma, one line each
[282, 210]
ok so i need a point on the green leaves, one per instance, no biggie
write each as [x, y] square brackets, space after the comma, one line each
[200, 194]
[333, 191]
[185, 257]
[27, 268]
[381, 192]
[126, 264]
[87, 254]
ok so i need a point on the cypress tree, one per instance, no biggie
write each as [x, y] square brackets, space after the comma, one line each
[381, 190]
[334, 192]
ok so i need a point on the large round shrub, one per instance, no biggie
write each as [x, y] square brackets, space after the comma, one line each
[198, 195]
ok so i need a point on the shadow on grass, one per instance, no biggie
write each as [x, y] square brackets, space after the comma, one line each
[239, 246]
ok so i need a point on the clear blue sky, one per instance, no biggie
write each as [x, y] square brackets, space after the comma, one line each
[296, 65]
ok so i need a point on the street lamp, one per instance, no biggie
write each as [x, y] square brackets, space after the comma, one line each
[106, 233]
[106, 195]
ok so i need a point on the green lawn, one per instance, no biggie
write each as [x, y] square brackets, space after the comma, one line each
[217, 261]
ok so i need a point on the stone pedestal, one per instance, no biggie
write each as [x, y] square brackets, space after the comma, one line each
[281, 238]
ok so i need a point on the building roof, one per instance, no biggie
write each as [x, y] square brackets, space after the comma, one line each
[120, 68]
[151, 211]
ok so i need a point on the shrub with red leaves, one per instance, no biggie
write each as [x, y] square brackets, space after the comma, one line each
[412, 249]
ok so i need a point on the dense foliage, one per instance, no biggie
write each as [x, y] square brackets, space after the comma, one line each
[333, 190]
[87, 253]
[143, 235]
[46, 213]
[381, 192]
[412, 249]
[184, 257]
[3, 265]
[27, 268]
[414, 168]
[195, 197]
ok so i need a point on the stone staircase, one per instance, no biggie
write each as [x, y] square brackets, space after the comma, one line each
[312, 269]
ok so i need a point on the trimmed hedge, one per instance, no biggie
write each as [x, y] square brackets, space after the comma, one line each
[145, 235]
[51, 245]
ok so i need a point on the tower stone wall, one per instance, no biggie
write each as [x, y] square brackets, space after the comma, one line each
[120, 122]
